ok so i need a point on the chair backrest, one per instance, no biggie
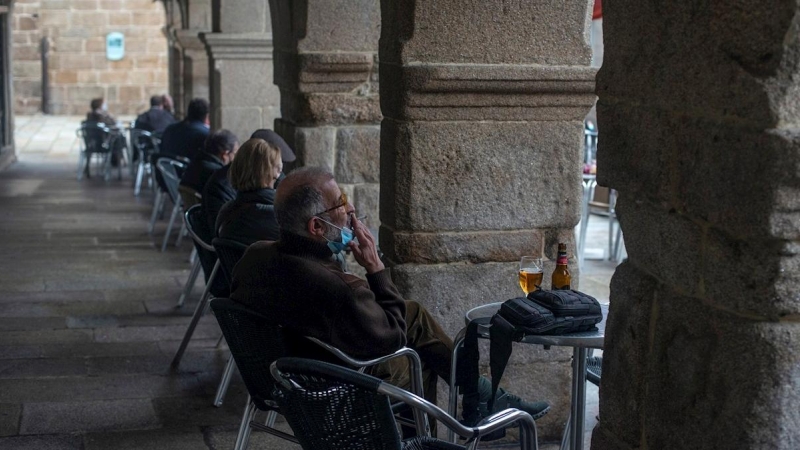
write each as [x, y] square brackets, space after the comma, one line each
[330, 407]
[229, 253]
[95, 136]
[197, 226]
[143, 141]
[255, 343]
[168, 168]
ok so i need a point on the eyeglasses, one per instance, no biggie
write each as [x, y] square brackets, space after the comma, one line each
[342, 202]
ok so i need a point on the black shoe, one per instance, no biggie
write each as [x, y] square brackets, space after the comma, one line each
[535, 409]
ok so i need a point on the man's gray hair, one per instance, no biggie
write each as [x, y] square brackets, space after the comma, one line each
[299, 197]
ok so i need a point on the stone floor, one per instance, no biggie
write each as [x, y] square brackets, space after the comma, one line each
[87, 319]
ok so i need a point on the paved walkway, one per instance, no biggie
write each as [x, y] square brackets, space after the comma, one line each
[87, 319]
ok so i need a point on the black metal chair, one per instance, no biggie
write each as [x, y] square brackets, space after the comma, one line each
[95, 139]
[594, 369]
[229, 253]
[194, 225]
[144, 145]
[331, 407]
[169, 168]
[255, 342]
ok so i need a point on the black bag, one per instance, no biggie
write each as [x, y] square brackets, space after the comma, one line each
[542, 312]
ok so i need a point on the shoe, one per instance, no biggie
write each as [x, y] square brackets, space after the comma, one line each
[537, 410]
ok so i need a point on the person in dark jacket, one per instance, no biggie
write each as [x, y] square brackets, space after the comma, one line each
[156, 119]
[250, 217]
[218, 189]
[186, 138]
[220, 148]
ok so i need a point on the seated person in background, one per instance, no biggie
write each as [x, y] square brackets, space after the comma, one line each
[156, 119]
[169, 106]
[187, 137]
[99, 113]
[220, 148]
[250, 217]
[218, 189]
[298, 281]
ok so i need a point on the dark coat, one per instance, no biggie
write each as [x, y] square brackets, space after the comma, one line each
[296, 281]
[248, 218]
[154, 120]
[184, 139]
[201, 168]
[216, 193]
[101, 116]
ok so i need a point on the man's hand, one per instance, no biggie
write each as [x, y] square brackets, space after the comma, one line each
[365, 251]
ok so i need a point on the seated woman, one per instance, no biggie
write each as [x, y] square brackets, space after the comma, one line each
[250, 217]
[219, 150]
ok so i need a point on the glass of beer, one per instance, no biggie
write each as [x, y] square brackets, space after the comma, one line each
[530, 273]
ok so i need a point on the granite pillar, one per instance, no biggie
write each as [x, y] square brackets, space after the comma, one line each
[481, 146]
[242, 95]
[698, 117]
[325, 67]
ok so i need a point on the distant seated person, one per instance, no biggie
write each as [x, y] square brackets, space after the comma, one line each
[297, 281]
[187, 137]
[166, 101]
[220, 148]
[156, 119]
[218, 189]
[250, 217]
[99, 114]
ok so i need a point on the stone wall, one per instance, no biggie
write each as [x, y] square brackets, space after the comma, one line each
[79, 70]
[699, 117]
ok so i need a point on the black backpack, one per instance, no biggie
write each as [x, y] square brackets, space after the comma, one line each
[542, 312]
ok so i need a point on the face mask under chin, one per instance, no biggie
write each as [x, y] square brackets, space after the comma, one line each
[337, 237]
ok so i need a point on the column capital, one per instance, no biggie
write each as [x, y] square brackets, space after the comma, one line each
[189, 39]
[238, 45]
[488, 91]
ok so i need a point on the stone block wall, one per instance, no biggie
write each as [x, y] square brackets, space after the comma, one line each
[78, 68]
[698, 111]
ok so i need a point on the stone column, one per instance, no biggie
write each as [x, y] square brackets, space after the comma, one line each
[481, 147]
[325, 53]
[698, 113]
[195, 65]
[243, 97]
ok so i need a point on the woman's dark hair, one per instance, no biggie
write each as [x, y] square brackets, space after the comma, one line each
[96, 103]
[221, 142]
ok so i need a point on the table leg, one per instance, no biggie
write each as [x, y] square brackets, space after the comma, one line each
[578, 413]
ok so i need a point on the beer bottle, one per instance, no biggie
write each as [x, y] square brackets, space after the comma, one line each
[561, 278]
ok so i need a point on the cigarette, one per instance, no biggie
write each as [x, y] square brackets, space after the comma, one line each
[361, 219]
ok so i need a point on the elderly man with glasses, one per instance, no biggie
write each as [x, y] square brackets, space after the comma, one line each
[299, 281]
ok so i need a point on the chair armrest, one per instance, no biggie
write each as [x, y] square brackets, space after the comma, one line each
[414, 366]
[502, 419]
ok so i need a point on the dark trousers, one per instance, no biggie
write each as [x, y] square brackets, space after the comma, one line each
[435, 348]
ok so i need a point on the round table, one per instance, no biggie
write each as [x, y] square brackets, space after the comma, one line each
[580, 343]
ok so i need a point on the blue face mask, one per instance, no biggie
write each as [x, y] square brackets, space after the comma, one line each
[346, 234]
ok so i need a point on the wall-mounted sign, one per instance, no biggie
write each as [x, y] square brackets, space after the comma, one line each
[115, 46]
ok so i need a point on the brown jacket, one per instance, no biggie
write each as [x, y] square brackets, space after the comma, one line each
[296, 281]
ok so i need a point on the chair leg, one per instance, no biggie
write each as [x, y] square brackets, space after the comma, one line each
[181, 233]
[175, 211]
[81, 163]
[198, 313]
[107, 166]
[452, 406]
[156, 206]
[243, 437]
[193, 255]
[566, 435]
[137, 184]
[187, 289]
[222, 389]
